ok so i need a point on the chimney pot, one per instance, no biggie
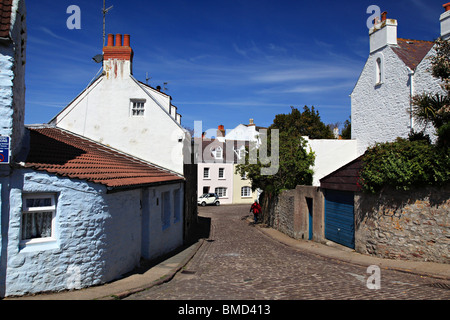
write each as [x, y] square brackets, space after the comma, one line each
[126, 40]
[110, 40]
[118, 40]
[447, 6]
[383, 16]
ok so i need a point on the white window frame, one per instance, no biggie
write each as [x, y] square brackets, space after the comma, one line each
[247, 193]
[217, 152]
[31, 210]
[137, 108]
[221, 173]
[221, 192]
[206, 173]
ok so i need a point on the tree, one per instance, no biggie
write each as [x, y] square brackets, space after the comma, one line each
[306, 123]
[295, 160]
[434, 108]
[347, 131]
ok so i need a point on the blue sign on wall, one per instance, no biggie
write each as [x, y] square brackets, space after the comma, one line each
[5, 146]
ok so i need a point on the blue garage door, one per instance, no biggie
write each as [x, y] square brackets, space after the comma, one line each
[340, 218]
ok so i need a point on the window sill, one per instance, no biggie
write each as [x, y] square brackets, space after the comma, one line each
[38, 245]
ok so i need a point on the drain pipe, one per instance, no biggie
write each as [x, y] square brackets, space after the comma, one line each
[411, 95]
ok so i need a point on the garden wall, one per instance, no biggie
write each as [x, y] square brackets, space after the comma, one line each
[407, 225]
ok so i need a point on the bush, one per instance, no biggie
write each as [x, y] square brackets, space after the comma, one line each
[404, 164]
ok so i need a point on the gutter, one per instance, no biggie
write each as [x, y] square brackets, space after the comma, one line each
[144, 185]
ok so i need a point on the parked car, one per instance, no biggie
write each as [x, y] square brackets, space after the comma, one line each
[208, 199]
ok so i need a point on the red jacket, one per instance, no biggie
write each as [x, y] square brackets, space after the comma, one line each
[256, 208]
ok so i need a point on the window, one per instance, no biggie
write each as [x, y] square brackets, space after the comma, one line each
[221, 192]
[379, 69]
[221, 173]
[38, 217]
[205, 173]
[177, 205]
[378, 75]
[246, 192]
[165, 210]
[137, 108]
[217, 153]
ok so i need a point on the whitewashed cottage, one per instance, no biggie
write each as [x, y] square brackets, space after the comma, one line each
[62, 196]
[119, 111]
[396, 70]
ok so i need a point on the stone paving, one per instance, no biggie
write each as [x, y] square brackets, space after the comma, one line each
[239, 262]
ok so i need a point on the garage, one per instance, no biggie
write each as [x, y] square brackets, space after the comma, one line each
[339, 189]
[339, 217]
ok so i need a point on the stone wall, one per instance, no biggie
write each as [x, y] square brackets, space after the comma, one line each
[289, 213]
[407, 225]
[283, 213]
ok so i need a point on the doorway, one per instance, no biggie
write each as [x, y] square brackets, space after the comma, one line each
[309, 202]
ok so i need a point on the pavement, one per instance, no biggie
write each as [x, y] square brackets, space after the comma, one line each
[164, 271]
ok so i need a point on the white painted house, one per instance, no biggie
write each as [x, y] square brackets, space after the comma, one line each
[396, 70]
[119, 111]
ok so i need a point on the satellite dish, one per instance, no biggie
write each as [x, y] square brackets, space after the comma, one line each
[98, 58]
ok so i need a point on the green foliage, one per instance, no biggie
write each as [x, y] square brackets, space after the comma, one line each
[295, 165]
[347, 131]
[295, 161]
[306, 123]
[404, 164]
[434, 108]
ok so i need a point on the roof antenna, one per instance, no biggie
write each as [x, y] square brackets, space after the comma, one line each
[147, 78]
[105, 11]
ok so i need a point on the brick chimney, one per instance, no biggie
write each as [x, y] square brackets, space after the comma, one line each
[118, 56]
[383, 33]
[221, 131]
[445, 22]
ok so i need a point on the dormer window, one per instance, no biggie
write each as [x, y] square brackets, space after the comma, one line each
[217, 152]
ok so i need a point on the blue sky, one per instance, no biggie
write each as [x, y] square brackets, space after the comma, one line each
[225, 61]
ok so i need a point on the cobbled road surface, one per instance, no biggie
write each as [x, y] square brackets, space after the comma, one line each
[239, 262]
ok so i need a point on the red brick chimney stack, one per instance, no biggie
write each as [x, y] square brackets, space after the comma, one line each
[117, 50]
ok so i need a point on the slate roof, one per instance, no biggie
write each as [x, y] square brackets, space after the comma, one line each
[412, 52]
[228, 150]
[5, 18]
[60, 152]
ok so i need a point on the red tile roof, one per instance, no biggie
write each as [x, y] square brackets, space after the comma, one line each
[412, 52]
[5, 17]
[62, 153]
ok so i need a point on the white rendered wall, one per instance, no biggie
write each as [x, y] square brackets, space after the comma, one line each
[381, 113]
[330, 156]
[214, 181]
[102, 113]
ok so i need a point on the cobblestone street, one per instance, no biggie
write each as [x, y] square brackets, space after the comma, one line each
[239, 262]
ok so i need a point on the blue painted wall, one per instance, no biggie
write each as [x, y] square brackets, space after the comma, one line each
[98, 236]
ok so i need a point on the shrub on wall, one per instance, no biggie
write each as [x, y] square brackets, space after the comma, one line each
[404, 164]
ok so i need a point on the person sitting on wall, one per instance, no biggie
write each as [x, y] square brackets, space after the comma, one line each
[256, 209]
